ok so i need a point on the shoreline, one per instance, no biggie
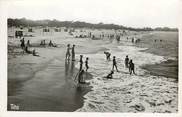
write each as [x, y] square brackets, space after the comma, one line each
[167, 69]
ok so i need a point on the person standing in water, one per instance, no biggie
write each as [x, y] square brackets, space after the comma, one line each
[73, 53]
[131, 67]
[114, 64]
[80, 77]
[86, 64]
[81, 62]
[68, 52]
[126, 61]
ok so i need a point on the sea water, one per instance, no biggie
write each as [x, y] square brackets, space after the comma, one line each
[128, 93]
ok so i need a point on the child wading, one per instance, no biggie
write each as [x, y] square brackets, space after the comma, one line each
[114, 64]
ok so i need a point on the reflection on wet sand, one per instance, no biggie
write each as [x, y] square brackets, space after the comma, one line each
[67, 64]
[72, 68]
[69, 69]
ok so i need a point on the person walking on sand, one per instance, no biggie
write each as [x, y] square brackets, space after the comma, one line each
[86, 64]
[81, 62]
[126, 61]
[68, 52]
[114, 64]
[73, 53]
[131, 67]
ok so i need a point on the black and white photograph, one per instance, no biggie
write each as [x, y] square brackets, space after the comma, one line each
[98, 56]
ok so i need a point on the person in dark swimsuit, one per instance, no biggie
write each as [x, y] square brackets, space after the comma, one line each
[86, 64]
[80, 76]
[109, 76]
[107, 55]
[131, 67]
[114, 64]
[126, 61]
[73, 53]
[51, 44]
[22, 43]
[81, 62]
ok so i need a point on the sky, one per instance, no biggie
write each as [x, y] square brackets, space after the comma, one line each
[131, 13]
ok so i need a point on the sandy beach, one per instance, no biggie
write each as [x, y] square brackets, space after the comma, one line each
[46, 83]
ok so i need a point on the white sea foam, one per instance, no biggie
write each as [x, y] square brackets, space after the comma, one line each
[128, 93]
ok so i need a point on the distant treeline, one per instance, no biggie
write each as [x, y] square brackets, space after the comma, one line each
[77, 24]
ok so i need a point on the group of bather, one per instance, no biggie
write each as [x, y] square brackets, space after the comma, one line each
[128, 64]
[43, 43]
[25, 47]
[81, 70]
